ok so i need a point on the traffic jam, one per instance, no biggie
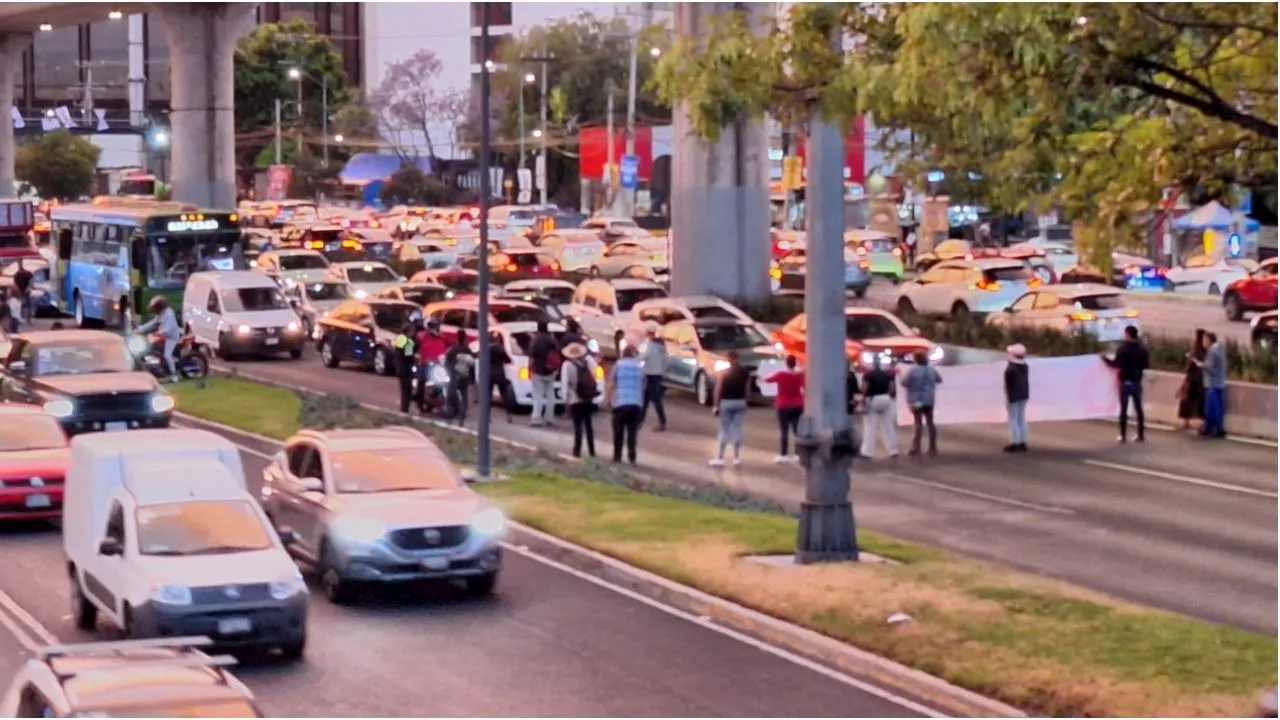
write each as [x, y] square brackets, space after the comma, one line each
[169, 541]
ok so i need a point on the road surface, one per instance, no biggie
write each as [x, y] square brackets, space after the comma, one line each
[1176, 523]
[547, 644]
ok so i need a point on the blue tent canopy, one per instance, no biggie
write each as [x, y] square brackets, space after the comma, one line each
[364, 168]
[1213, 216]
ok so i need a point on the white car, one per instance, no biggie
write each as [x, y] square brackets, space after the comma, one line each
[606, 310]
[961, 288]
[462, 241]
[517, 337]
[632, 258]
[1203, 274]
[691, 308]
[575, 250]
[616, 225]
[294, 265]
[559, 291]
[1059, 254]
[366, 279]
[1098, 310]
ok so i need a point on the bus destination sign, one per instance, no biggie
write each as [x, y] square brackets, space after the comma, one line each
[195, 222]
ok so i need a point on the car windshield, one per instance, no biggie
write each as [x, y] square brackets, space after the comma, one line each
[627, 299]
[721, 338]
[37, 432]
[518, 313]
[530, 259]
[205, 527]
[522, 341]
[870, 327]
[557, 294]
[1022, 273]
[460, 282]
[393, 470]
[374, 235]
[303, 261]
[105, 355]
[328, 291]
[713, 311]
[370, 274]
[1100, 302]
[229, 708]
[424, 295]
[393, 317]
[253, 299]
[879, 245]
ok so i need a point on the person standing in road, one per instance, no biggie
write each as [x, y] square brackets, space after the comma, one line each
[731, 407]
[1017, 391]
[431, 349]
[578, 378]
[573, 334]
[627, 395]
[1130, 362]
[406, 347]
[14, 307]
[879, 423]
[911, 247]
[1215, 387]
[921, 383]
[789, 403]
[655, 368]
[499, 359]
[1191, 392]
[544, 365]
[461, 362]
[22, 283]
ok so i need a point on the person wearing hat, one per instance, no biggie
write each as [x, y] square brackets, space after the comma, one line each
[655, 368]
[1017, 390]
[578, 378]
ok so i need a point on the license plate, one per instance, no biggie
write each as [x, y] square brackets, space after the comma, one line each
[39, 501]
[234, 626]
[273, 341]
[436, 563]
[117, 426]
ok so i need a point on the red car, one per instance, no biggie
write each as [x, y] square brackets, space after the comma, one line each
[34, 457]
[784, 241]
[1256, 292]
[868, 332]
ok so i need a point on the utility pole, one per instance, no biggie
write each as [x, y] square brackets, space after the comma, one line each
[277, 160]
[324, 120]
[542, 117]
[826, 440]
[483, 369]
[611, 157]
[629, 194]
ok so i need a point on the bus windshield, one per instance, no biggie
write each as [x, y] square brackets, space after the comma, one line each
[172, 258]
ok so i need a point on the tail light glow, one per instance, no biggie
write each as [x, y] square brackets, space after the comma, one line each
[1082, 317]
[988, 285]
[1131, 313]
[775, 273]
[511, 267]
[352, 245]
[897, 252]
[1034, 282]
[524, 373]
[599, 373]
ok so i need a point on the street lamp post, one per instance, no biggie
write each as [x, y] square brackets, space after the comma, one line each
[543, 59]
[297, 74]
[483, 370]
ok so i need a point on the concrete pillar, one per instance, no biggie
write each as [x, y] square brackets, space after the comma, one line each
[11, 48]
[202, 40]
[719, 193]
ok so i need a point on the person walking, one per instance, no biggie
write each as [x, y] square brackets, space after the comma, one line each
[1215, 387]
[910, 241]
[406, 359]
[499, 359]
[1017, 391]
[655, 368]
[544, 366]
[1130, 362]
[731, 408]
[626, 388]
[461, 362]
[878, 422]
[921, 383]
[22, 280]
[1191, 391]
[789, 403]
[578, 378]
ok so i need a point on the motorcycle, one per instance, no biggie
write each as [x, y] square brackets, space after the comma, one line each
[190, 356]
[435, 396]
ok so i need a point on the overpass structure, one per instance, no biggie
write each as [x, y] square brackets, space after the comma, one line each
[201, 38]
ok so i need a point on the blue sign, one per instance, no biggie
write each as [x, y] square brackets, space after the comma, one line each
[1234, 245]
[629, 172]
[935, 176]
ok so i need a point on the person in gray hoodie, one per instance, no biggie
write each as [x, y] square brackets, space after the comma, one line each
[1017, 391]
[921, 383]
[1215, 387]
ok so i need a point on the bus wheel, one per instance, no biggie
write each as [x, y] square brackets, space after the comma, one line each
[78, 310]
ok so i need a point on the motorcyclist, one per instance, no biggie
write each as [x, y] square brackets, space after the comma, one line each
[431, 349]
[164, 322]
[406, 347]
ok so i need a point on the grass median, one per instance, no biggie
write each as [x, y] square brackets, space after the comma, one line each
[1043, 646]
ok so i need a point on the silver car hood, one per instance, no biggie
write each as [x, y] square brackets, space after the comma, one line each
[418, 508]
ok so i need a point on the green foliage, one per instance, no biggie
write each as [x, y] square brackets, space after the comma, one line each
[58, 165]
[410, 186]
[262, 61]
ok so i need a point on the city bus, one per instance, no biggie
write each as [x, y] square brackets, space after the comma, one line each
[113, 257]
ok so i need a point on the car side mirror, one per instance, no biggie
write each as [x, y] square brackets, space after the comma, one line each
[18, 366]
[294, 303]
[310, 484]
[110, 547]
[288, 536]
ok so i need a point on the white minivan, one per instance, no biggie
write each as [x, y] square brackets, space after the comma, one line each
[162, 538]
[238, 312]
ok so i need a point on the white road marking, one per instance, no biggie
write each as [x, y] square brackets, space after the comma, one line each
[1182, 479]
[980, 495]
[14, 629]
[41, 632]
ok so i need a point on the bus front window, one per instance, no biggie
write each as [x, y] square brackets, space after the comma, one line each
[171, 259]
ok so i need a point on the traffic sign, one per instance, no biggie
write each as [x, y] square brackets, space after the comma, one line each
[524, 177]
[629, 172]
[540, 172]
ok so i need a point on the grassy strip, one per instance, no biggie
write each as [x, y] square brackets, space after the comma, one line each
[1037, 644]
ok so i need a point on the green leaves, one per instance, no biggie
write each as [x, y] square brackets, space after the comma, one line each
[58, 165]
[262, 62]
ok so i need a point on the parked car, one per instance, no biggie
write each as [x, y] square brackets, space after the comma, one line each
[790, 272]
[1204, 274]
[960, 288]
[1262, 331]
[460, 280]
[417, 293]
[294, 265]
[1092, 309]
[1128, 272]
[463, 314]
[641, 259]
[1255, 293]
[943, 251]
[314, 300]
[241, 312]
[664, 310]
[606, 310]
[517, 338]
[698, 353]
[559, 291]
[869, 332]
[361, 332]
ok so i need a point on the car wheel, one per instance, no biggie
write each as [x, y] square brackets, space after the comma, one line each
[1214, 290]
[1233, 307]
[294, 650]
[702, 389]
[295, 354]
[1168, 285]
[195, 366]
[960, 312]
[482, 585]
[381, 362]
[906, 307]
[78, 312]
[335, 589]
[126, 623]
[326, 354]
[84, 611]
[860, 293]
[224, 348]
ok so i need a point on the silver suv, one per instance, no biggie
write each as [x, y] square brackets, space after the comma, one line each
[381, 506]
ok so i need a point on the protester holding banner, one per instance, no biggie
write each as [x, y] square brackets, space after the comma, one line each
[1130, 362]
[878, 421]
[1017, 390]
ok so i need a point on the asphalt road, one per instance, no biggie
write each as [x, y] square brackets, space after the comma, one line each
[1177, 523]
[547, 644]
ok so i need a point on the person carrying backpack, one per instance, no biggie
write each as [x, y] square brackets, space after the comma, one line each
[544, 365]
[578, 377]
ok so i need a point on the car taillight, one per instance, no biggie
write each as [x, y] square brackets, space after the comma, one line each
[775, 273]
[1082, 317]
[1131, 313]
[314, 244]
[599, 373]
[511, 267]
[375, 224]
[897, 252]
[524, 373]
[351, 245]
[989, 285]
[1035, 282]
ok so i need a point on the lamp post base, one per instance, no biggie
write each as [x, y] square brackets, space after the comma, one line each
[826, 533]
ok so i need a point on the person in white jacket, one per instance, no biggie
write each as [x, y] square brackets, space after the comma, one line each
[578, 378]
[164, 322]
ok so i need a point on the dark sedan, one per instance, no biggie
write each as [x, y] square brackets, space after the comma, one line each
[87, 379]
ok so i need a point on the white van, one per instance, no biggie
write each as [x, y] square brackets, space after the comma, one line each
[236, 312]
[163, 539]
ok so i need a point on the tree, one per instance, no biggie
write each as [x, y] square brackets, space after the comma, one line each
[58, 165]
[410, 103]
[410, 186]
[1095, 108]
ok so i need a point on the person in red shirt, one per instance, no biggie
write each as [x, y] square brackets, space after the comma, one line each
[789, 402]
[431, 349]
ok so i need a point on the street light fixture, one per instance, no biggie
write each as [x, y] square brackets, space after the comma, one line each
[160, 139]
[296, 74]
[489, 65]
[338, 138]
[537, 132]
[655, 52]
[530, 78]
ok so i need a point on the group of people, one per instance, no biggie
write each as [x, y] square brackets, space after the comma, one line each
[420, 349]
[1202, 395]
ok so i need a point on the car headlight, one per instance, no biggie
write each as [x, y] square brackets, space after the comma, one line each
[137, 345]
[60, 408]
[593, 346]
[287, 588]
[439, 374]
[720, 365]
[172, 595]
[358, 530]
[489, 522]
[936, 353]
[867, 357]
[361, 294]
[244, 330]
[162, 403]
[291, 327]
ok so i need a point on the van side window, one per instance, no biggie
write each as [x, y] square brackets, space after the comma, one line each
[115, 524]
[34, 704]
[300, 459]
[212, 305]
[311, 465]
[604, 296]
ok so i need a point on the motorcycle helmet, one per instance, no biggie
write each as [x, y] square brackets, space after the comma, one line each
[157, 304]
[433, 325]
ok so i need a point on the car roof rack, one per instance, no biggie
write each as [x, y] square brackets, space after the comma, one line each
[100, 648]
[194, 661]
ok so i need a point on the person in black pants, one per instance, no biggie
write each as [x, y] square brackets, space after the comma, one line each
[1130, 362]
[627, 396]
[406, 354]
[498, 361]
[578, 378]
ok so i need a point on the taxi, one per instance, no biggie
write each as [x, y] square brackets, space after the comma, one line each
[882, 252]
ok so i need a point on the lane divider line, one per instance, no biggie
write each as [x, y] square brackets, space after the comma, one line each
[41, 632]
[980, 495]
[1182, 479]
[18, 633]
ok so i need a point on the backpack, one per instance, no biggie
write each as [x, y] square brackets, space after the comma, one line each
[553, 359]
[585, 387]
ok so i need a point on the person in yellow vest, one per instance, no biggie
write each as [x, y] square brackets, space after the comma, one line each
[406, 347]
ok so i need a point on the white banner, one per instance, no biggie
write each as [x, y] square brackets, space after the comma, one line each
[1066, 388]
